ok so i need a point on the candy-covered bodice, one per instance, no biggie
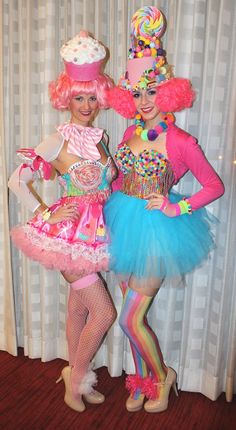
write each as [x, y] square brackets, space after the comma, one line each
[145, 173]
[88, 177]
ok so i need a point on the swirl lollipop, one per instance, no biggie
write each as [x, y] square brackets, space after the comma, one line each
[148, 22]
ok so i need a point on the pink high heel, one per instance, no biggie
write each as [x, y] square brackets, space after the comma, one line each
[161, 404]
[69, 399]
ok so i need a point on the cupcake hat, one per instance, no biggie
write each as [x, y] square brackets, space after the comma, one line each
[83, 57]
[147, 64]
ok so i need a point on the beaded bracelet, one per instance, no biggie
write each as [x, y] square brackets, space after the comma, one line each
[164, 204]
[183, 207]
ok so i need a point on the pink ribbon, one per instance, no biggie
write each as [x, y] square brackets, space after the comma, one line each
[82, 141]
[38, 163]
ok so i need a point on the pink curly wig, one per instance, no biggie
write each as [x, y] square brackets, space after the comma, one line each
[172, 96]
[63, 89]
[175, 95]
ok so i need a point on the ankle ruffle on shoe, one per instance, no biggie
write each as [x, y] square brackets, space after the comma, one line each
[87, 383]
[86, 388]
[134, 383]
[150, 388]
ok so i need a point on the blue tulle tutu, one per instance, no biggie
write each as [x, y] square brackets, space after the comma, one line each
[149, 244]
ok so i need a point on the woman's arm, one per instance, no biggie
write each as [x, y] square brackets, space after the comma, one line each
[212, 186]
[189, 156]
[20, 179]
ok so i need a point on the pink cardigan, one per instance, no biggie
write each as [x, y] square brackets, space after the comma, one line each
[185, 154]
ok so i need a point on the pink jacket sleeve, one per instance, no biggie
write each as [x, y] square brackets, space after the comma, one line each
[194, 159]
[117, 184]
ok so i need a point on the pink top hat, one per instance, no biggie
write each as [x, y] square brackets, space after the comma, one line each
[136, 66]
[83, 56]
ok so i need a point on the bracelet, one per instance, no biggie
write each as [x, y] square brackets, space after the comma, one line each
[184, 207]
[46, 214]
[164, 204]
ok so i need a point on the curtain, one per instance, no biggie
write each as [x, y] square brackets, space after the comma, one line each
[195, 322]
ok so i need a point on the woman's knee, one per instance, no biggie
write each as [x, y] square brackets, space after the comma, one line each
[105, 317]
[111, 315]
[124, 322]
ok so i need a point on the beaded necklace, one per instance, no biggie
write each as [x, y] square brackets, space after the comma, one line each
[151, 134]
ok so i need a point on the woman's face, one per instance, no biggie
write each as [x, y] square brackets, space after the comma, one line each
[144, 100]
[83, 108]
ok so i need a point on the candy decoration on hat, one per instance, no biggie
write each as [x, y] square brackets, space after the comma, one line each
[147, 21]
[147, 67]
[147, 63]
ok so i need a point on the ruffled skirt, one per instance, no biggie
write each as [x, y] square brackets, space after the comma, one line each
[147, 243]
[76, 247]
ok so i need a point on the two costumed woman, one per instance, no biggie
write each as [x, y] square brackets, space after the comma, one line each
[155, 233]
[70, 236]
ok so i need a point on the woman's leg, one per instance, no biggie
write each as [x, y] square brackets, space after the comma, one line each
[134, 323]
[76, 319]
[134, 382]
[91, 311]
[101, 315]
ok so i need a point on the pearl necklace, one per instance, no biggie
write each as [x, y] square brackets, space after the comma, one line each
[153, 133]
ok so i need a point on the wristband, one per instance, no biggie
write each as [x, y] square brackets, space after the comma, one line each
[184, 207]
[164, 204]
[46, 214]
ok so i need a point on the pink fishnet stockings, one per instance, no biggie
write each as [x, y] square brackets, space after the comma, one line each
[76, 319]
[101, 314]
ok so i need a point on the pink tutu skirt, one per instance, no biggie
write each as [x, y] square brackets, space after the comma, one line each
[77, 247]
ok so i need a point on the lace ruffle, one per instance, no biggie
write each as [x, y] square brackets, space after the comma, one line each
[92, 253]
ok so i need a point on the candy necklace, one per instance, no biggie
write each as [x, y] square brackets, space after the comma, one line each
[151, 134]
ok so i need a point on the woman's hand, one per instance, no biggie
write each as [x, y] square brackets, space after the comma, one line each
[66, 212]
[161, 203]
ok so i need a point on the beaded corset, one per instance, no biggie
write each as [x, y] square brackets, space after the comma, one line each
[148, 172]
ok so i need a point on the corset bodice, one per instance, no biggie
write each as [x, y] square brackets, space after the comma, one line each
[145, 173]
[88, 177]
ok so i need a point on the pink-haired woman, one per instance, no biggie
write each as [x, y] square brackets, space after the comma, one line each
[155, 233]
[70, 236]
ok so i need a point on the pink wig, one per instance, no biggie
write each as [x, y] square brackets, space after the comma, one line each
[172, 96]
[175, 95]
[63, 89]
[122, 102]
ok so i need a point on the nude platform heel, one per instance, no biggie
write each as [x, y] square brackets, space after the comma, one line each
[161, 404]
[69, 399]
